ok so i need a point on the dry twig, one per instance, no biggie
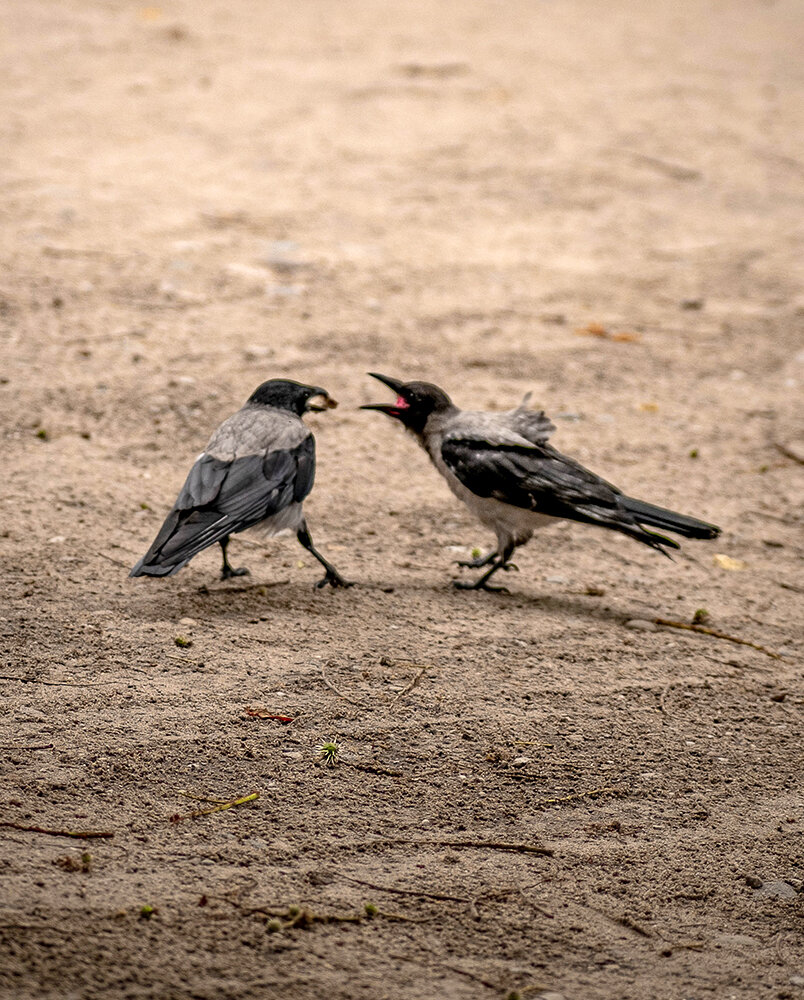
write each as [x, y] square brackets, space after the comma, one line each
[440, 896]
[669, 623]
[338, 692]
[411, 686]
[371, 769]
[38, 746]
[79, 834]
[117, 562]
[37, 680]
[576, 796]
[216, 808]
[491, 845]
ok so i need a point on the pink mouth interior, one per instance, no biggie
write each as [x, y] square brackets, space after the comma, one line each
[401, 404]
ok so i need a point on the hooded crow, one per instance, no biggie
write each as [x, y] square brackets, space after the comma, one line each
[255, 472]
[505, 471]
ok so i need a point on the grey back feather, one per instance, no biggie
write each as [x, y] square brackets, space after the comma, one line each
[252, 428]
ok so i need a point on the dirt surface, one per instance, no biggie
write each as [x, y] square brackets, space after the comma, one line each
[604, 208]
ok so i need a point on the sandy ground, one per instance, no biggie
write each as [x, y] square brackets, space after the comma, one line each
[199, 196]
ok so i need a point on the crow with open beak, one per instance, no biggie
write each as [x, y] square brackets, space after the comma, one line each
[505, 471]
[255, 472]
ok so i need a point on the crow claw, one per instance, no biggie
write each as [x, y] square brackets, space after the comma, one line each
[228, 572]
[476, 563]
[334, 580]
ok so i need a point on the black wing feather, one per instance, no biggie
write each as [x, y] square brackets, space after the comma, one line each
[221, 498]
[544, 481]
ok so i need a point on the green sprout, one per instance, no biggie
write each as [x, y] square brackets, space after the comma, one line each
[476, 553]
[701, 617]
[147, 911]
[182, 641]
[329, 751]
[370, 910]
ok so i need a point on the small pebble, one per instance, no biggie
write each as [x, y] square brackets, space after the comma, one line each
[753, 881]
[642, 625]
[521, 761]
[797, 980]
[777, 888]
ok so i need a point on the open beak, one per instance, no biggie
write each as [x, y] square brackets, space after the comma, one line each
[326, 401]
[392, 409]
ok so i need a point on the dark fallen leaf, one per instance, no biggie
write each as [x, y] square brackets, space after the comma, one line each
[262, 713]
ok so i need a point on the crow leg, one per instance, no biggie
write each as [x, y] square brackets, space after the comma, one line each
[500, 561]
[228, 570]
[477, 563]
[332, 577]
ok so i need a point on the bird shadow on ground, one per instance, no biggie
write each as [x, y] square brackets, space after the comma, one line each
[235, 598]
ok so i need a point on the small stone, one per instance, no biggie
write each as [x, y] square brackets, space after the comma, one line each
[796, 980]
[779, 888]
[556, 579]
[320, 877]
[753, 881]
[188, 622]
[723, 561]
[641, 625]
[520, 761]
[550, 995]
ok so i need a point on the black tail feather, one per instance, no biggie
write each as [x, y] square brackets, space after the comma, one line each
[668, 520]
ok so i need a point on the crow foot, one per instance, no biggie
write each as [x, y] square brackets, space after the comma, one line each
[229, 571]
[334, 579]
[477, 563]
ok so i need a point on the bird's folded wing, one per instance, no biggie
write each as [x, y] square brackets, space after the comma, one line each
[534, 477]
[222, 497]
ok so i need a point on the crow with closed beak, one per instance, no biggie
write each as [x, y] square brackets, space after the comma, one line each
[505, 471]
[255, 472]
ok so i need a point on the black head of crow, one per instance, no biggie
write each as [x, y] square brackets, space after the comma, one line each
[284, 394]
[256, 470]
[502, 466]
[415, 402]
